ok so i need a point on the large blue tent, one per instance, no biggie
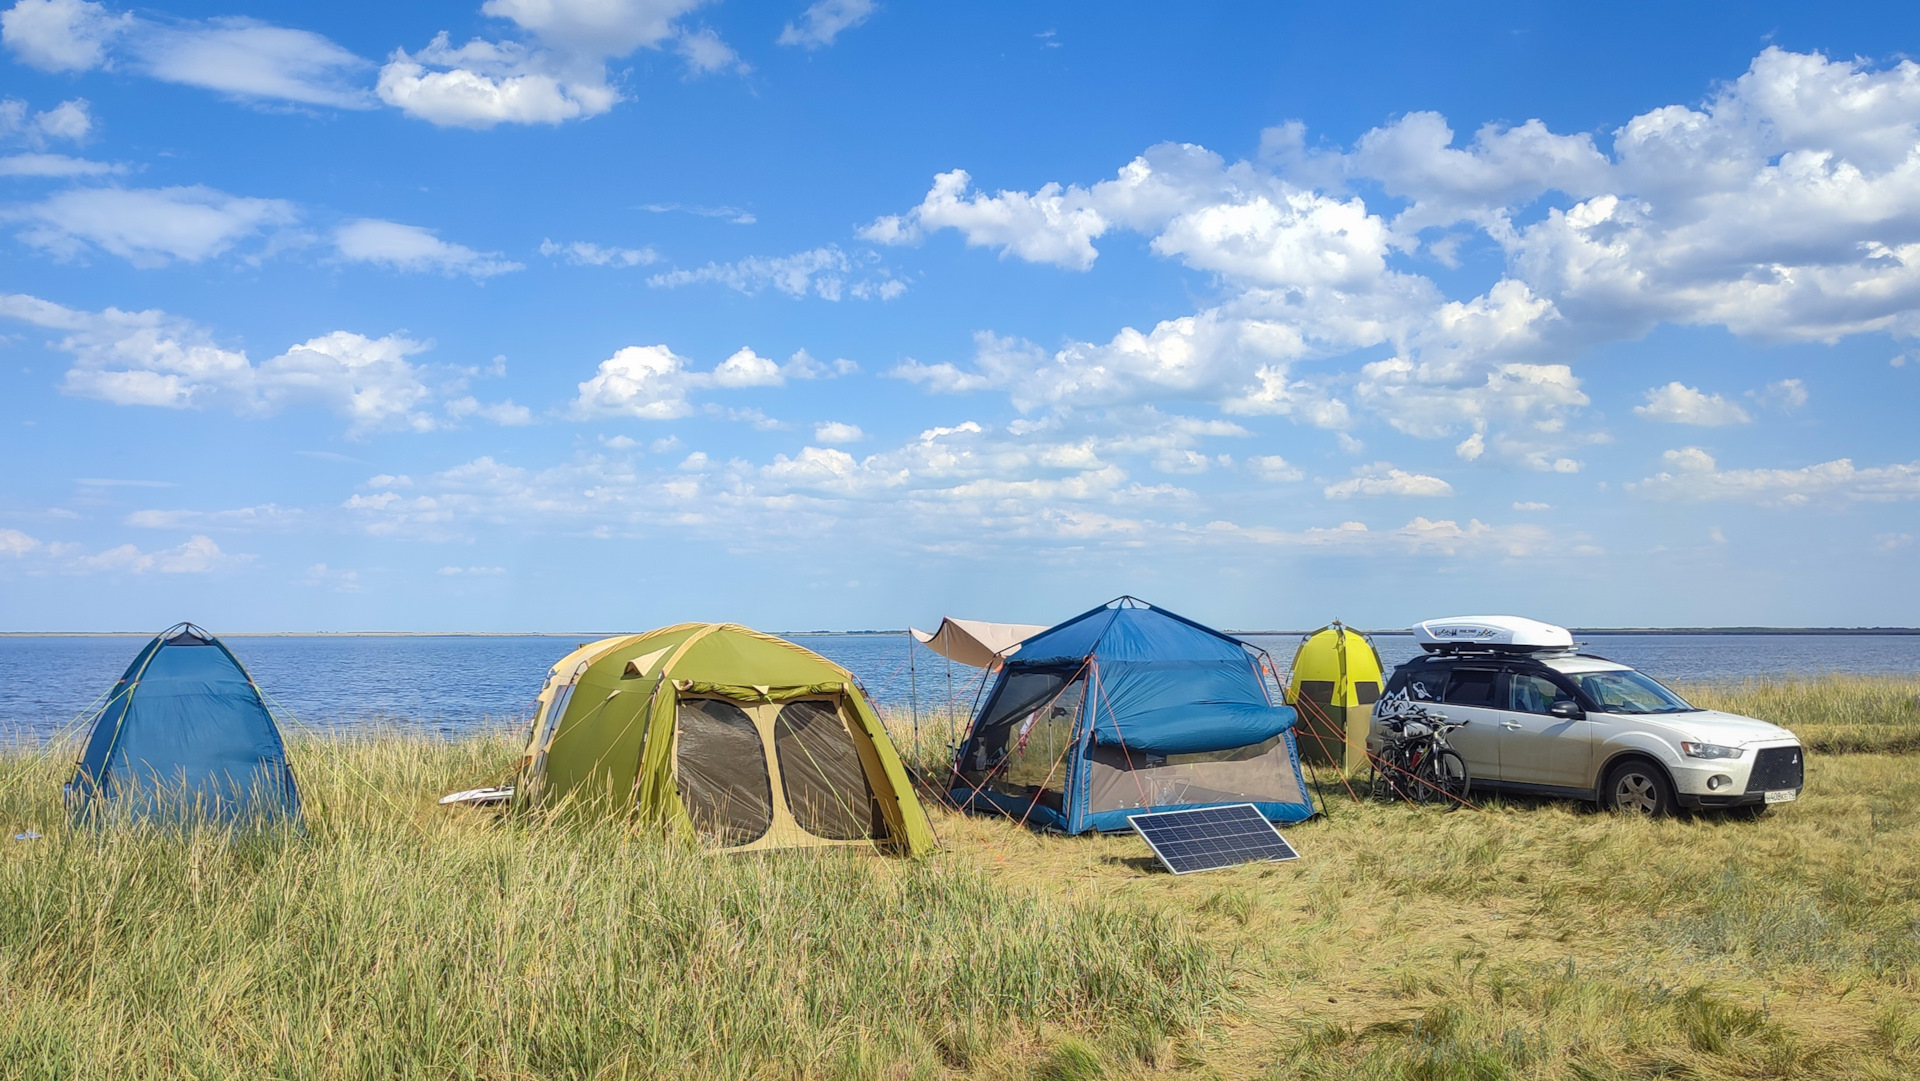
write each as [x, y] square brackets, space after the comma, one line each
[184, 735]
[1128, 709]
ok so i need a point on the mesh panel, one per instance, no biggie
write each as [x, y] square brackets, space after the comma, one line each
[1021, 693]
[1013, 703]
[820, 768]
[722, 772]
[1258, 773]
[1035, 747]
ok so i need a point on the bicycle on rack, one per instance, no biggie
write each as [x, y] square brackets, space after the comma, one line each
[1414, 762]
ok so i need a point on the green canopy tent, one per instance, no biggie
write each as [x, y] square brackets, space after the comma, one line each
[721, 733]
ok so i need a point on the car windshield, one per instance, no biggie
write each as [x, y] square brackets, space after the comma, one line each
[1628, 692]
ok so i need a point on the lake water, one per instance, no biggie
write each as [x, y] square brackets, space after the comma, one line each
[457, 684]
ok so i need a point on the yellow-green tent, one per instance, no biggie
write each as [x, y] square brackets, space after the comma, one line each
[1335, 681]
[718, 732]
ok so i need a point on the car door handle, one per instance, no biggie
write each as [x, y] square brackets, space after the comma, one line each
[1511, 726]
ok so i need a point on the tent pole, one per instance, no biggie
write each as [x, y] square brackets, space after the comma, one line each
[949, 698]
[913, 691]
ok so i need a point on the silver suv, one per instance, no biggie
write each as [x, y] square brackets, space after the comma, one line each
[1575, 726]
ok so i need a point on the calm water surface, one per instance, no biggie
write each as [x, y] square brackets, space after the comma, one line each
[458, 684]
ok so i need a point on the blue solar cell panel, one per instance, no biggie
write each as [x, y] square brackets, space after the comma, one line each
[1208, 838]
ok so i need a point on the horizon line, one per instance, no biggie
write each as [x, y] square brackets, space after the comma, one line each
[1742, 629]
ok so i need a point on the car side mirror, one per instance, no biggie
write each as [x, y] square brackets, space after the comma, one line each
[1566, 710]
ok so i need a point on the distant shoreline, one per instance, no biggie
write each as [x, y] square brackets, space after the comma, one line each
[590, 635]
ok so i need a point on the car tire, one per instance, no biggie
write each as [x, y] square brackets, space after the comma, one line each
[1638, 786]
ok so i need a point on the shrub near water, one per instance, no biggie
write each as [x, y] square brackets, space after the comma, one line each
[396, 939]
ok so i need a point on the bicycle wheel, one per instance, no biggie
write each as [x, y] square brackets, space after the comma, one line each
[1442, 778]
[1389, 777]
[1380, 784]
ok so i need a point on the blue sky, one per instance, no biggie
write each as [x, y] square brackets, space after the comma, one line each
[562, 314]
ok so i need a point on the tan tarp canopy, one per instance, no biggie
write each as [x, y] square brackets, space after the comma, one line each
[976, 642]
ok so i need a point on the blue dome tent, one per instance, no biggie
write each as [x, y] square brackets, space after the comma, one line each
[1128, 709]
[184, 735]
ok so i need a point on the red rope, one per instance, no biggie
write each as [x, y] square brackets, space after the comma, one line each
[1318, 739]
[1101, 685]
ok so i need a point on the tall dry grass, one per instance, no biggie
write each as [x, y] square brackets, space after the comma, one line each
[1832, 714]
[1546, 940]
[394, 938]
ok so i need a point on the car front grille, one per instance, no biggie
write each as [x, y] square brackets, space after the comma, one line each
[1775, 768]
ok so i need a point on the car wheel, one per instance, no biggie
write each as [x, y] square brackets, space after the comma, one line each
[1638, 787]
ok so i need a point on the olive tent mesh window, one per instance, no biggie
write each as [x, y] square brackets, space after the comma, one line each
[820, 769]
[722, 772]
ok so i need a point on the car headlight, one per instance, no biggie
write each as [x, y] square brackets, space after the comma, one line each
[1710, 750]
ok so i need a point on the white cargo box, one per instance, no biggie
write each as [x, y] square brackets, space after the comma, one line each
[1507, 633]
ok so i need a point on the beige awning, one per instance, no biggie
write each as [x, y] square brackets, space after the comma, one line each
[976, 642]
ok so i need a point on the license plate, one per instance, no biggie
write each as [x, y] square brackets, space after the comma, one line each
[1783, 795]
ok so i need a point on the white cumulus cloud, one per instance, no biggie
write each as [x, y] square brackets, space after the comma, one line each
[414, 249]
[1275, 469]
[151, 358]
[481, 84]
[1053, 225]
[1693, 475]
[652, 382]
[249, 59]
[70, 121]
[828, 273]
[242, 57]
[585, 253]
[1382, 479]
[1785, 206]
[151, 227]
[197, 555]
[55, 165]
[706, 54]
[60, 35]
[823, 21]
[555, 73]
[833, 432]
[1677, 403]
[15, 543]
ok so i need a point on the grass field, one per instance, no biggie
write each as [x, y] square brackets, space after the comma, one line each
[1833, 714]
[396, 939]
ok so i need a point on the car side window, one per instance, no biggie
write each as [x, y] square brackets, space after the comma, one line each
[1425, 684]
[1530, 693]
[1473, 687]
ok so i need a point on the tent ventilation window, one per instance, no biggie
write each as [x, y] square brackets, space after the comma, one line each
[820, 768]
[547, 726]
[722, 772]
[556, 709]
[1032, 747]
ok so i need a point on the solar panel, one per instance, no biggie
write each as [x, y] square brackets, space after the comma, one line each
[1209, 838]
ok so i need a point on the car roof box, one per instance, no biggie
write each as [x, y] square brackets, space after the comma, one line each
[1502, 634]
